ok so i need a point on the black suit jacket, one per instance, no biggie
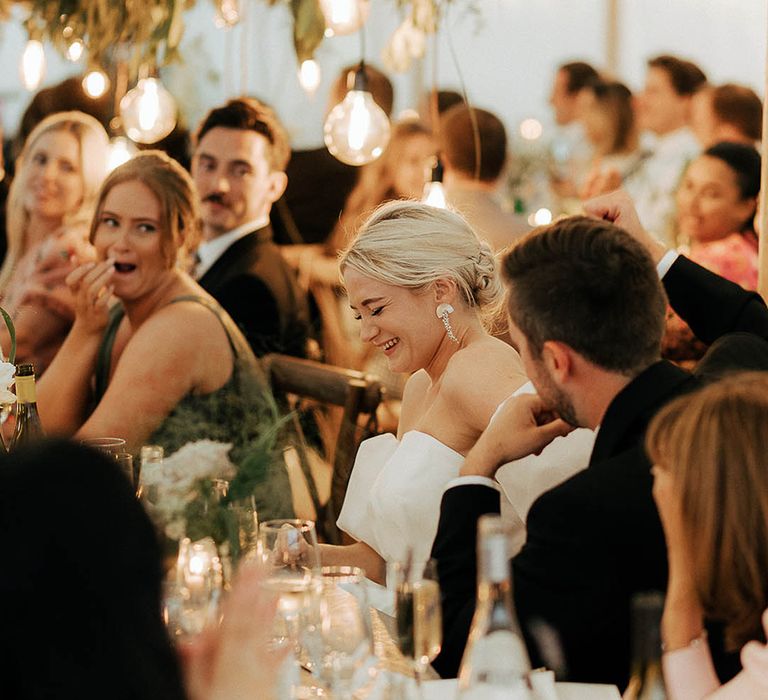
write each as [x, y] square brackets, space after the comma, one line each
[258, 289]
[596, 539]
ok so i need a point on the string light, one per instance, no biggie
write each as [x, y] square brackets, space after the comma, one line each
[75, 50]
[541, 217]
[120, 151]
[32, 66]
[434, 192]
[357, 129]
[95, 83]
[148, 111]
[309, 76]
[531, 129]
[344, 16]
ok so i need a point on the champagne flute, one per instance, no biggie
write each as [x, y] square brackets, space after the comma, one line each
[418, 613]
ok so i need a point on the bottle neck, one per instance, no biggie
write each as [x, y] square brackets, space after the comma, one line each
[25, 390]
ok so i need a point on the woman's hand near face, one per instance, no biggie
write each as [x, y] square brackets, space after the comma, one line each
[91, 289]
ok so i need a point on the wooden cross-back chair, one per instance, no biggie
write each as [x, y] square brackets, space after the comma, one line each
[355, 396]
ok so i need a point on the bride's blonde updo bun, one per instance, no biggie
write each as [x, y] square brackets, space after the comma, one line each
[410, 244]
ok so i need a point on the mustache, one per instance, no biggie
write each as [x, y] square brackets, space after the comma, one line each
[216, 198]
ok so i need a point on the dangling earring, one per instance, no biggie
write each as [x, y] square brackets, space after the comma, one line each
[442, 313]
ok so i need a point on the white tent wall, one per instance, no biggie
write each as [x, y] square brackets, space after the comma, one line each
[507, 52]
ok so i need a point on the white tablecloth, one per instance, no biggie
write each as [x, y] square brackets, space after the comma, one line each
[445, 690]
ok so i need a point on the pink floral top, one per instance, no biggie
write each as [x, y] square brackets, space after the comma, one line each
[733, 257]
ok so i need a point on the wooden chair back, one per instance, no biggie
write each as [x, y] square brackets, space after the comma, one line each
[356, 396]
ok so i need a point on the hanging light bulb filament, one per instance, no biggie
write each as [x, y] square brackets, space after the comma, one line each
[32, 65]
[149, 106]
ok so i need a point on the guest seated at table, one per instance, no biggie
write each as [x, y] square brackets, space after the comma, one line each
[473, 173]
[241, 153]
[400, 173]
[81, 594]
[609, 125]
[587, 311]
[710, 487]
[727, 112]
[421, 284]
[50, 205]
[166, 365]
[716, 204]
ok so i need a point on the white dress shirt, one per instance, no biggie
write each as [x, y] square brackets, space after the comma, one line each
[210, 251]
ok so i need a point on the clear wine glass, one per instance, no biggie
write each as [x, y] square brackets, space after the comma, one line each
[337, 633]
[290, 552]
[199, 577]
[418, 613]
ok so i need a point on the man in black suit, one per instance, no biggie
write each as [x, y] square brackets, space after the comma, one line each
[239, 169]
[587, 314]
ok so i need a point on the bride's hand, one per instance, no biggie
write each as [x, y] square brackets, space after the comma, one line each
[91, 289]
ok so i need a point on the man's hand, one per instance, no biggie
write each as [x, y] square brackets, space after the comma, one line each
[618, 208]
[523, 426]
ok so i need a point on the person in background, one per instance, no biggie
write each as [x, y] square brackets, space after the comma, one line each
[50, 206]
[727, 112]
[710, 486]
[608, 118]
[239, 163]
[472, 175]
[569, 149]
[716, 204]
[664, 111]
[400, 173]
[5, 180]
[318, 183]
[108, 639]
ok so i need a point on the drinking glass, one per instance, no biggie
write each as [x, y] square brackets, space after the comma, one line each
[418, 613]
[125, 462]
[337, 633]
[289, 549]
[198, 573]
[110, 446]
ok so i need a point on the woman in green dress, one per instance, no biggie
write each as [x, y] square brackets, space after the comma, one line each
[166, 364]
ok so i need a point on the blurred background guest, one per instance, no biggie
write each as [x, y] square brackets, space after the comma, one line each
[664, 111]
[318, 183]
[711, 490]
[571, 152]
[727, 112]
[166, 365]
[716, 205]
[50, 206]
[241, 153]
[609, 124]
[473, 147]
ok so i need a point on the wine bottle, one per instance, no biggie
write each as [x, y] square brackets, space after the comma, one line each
[28, 428]
[646, 679]
[495, 662]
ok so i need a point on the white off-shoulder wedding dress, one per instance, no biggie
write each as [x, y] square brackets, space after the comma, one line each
[393, 497]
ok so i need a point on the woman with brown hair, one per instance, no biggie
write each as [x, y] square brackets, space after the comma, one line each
[711, 488]
[166, 364]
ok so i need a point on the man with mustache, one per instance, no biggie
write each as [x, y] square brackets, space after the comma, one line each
[239, 168]
[586, 311]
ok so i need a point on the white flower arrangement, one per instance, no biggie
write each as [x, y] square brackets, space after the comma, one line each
[176, 482]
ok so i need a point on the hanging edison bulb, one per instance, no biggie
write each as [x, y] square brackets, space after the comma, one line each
[309, 76]
[148, 111]
[434, 192]
[32, 66]
[344, 16]
[75, 50]
[95, 83]
[357, 129]
[120, 151]
[227, 13]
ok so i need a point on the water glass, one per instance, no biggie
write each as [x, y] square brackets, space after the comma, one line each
[110, 446]
[199, 576]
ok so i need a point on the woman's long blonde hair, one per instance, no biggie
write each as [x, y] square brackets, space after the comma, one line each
[93, 146]
[715, 444]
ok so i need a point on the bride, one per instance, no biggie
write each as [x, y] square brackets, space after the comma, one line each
[424, 289]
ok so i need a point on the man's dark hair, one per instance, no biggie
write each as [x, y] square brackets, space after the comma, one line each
[249, 114]
[740, 107]
[588, 284]
[686, 77]
[457, 142]
[580, 74]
